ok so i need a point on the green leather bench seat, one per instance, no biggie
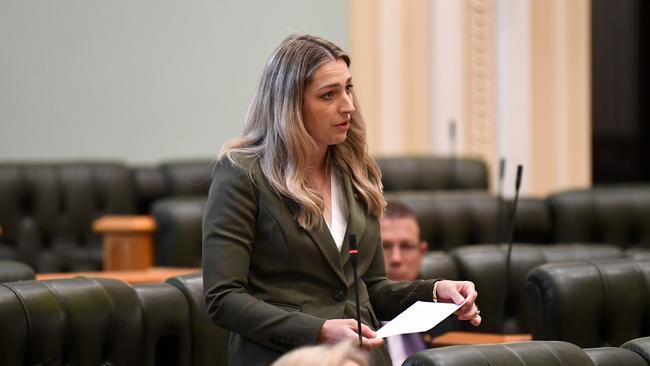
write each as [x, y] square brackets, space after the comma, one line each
[591, 304]
[534, 353]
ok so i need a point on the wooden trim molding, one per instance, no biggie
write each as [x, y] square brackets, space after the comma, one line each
[480, 46]
[561, 105]
[390, 40]
[508, 71]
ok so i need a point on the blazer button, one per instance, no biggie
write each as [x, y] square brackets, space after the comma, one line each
[338, 295]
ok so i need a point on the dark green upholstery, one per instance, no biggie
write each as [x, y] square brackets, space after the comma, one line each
[85, 321]
[515, 354]
[178, 238]
[209, 342]
[47, 210]
[170, 179]
[485, 266]
[418, 173]
[542, 353]
[438, 264]
[615, 356]
[149, 186]
[77, 321]
[187, 177]
[432, 173]
[599, 303]
[175, 192]
[638, 253]
[447, 220]
[639, 345]
[452, 219]
[617, 215]
[166, 314]
[15, 271]
[15, 334]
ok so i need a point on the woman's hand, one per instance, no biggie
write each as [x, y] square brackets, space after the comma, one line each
[336, 330]
[457, 292]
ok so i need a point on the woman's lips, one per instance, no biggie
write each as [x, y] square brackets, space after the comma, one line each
[344, 126]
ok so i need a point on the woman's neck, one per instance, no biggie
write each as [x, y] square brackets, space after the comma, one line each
[319, 177]
[318, 162]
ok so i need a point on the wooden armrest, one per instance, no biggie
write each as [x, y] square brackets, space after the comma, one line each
[151, 275]
[127, 241]
[124, 224]
[456, 338]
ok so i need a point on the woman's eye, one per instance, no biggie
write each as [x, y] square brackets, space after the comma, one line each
[348, 89]
[328, 95]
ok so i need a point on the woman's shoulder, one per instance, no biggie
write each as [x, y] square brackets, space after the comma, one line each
[236, 165]
[237, 162]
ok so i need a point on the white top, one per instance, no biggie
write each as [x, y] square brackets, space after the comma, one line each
[339, 211]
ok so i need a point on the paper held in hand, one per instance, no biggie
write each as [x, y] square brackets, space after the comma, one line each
[419, 317]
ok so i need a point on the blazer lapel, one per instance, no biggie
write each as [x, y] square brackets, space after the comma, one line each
[322, 237]
[324, 241]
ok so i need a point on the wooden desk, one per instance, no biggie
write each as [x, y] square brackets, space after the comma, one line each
[458, 338]
[151, 275]
[127, 241]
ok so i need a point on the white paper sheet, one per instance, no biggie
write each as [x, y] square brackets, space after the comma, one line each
[419, 317]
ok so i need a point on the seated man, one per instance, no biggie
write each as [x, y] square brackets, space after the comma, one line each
[403, 248]
[403, 252]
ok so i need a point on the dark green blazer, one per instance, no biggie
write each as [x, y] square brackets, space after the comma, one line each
[273, 284]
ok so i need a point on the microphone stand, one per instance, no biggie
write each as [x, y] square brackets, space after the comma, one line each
[502, 173]
[511, 231]
[453, 162]
[352, 242]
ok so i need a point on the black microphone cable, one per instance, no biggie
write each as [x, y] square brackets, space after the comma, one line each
[352, 242]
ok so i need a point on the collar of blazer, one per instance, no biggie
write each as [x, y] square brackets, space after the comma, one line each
[356, 225]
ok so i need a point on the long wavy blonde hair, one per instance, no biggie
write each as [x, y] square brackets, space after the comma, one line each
[275, 132]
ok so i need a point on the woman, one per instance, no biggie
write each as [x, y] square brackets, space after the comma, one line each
[283, 201]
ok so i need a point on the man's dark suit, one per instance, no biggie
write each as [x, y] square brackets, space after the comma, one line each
[273, 284]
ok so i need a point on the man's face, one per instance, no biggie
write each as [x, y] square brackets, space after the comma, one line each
[403, 248]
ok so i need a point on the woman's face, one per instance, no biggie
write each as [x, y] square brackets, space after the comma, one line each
[327, 104]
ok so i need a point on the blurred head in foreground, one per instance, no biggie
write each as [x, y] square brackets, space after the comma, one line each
[340, 354]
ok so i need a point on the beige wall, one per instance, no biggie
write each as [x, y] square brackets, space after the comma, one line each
[513, 74]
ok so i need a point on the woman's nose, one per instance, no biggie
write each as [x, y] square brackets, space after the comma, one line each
[348, 104]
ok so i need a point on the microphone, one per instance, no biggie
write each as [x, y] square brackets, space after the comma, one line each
[352, 243]
[452, 136]
[453, 163]
[511, 231]
[502, 173]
